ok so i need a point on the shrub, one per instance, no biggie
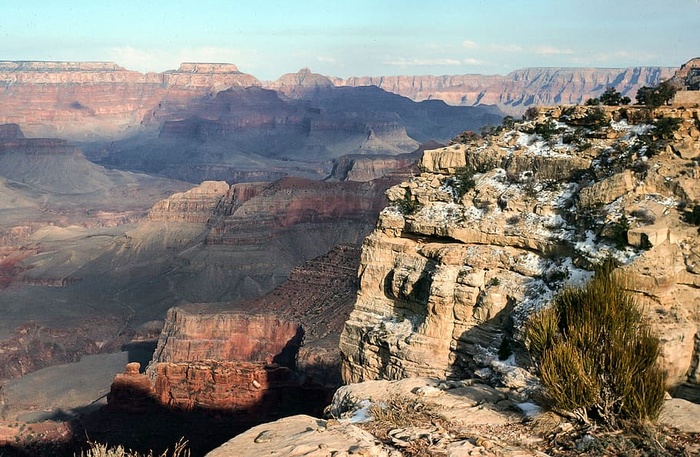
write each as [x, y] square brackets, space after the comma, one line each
[595, 119]
[596, 355]
[463, 179]
[656, 96]
[665, 127]
[611, 97]
[546, 129]
[465, 137]
[407, 205]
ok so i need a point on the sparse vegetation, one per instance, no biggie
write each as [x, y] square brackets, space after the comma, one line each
[408, 205]
[611, 97]
[656, 96]
[546, 129]
[103, 450]
[465, 137]
[665, 127]
[596, 355]
[595, 119]
[463, 179]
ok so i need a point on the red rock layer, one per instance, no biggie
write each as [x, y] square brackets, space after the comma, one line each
[101, 99]
[131, 391]
[233, 387]
[191, 336]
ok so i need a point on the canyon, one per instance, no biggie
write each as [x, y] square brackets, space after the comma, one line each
[200, 230]
[433, 352]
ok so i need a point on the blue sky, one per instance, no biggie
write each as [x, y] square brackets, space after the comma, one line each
[354, 38]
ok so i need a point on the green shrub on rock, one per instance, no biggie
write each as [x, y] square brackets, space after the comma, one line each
[596, 355]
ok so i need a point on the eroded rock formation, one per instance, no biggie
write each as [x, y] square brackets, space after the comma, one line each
[101, 99]
[520, 89]
[458, 262]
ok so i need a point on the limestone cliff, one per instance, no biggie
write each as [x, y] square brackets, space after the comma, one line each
[492, 229]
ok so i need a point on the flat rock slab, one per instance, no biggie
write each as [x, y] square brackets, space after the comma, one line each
[681, 414]
[303, 436]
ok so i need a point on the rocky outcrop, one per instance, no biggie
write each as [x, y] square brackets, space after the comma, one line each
[131, 391]
[255, 357]
[366, 168]
[302, 84]
[491, 230]
[193, 336]
[278, 207]
[231, 363]
[195, 205]
[518, 90]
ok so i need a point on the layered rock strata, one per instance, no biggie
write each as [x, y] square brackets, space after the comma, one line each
[492, 229]
[520, 89]
[101, 99]
[234, 363]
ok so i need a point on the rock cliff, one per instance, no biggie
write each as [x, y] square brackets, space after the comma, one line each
[518, 90]
[246, 358]
[101, 99]
[492, 229]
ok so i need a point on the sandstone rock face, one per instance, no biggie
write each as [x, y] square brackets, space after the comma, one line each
[516, 91]
[195, 205]
[241, 388]
[232, 337]
[458, 263]
[367, 168]
[232, 363]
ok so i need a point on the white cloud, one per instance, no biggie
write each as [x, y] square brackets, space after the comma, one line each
[504, 47]
[469, 44]
[433, 62]
[551, 51]
[146, 60]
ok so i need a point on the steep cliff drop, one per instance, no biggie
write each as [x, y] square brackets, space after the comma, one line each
[471, 255]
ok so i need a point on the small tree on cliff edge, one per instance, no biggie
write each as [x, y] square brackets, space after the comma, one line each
[596, 355]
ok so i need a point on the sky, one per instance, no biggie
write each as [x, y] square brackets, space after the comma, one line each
[354, 38]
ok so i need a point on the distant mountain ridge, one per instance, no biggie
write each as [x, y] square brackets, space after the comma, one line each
[520, 89]
[104, 99]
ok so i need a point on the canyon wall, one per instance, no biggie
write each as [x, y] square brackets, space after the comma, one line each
[520, 89]
[457, 263]
[89, 100]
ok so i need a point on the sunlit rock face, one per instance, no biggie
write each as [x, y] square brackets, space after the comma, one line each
[448, 275]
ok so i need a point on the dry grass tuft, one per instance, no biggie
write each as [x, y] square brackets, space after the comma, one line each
[104, 450]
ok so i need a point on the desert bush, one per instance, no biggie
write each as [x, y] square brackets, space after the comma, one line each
[595, 119]
[546, 129]
[465, 137]
[407, 205]
[665, 127]
[463, 179]
[596, 355]
[656, 96]
[611, 97]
